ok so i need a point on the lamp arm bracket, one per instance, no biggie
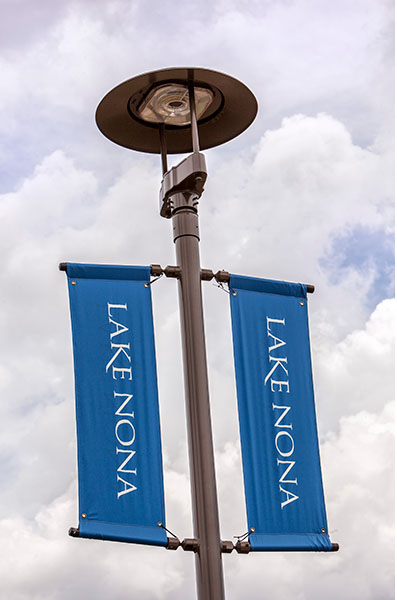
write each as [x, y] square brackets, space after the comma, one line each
[188, 176]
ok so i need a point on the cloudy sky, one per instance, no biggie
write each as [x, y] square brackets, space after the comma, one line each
[306, 194]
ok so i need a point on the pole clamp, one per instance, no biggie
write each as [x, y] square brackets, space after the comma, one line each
[227, 546]
[190, 545]
[243, 547]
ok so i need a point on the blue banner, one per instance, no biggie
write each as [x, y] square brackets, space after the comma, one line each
[121, 495]
[281, 463]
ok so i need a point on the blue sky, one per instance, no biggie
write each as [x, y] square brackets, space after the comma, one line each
[305, 194]
[366, 250]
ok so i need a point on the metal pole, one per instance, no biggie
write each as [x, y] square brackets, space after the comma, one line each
[163, 148]
[193, 118]
[209, 573]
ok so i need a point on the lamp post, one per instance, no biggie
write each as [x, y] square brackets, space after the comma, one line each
[174, 111]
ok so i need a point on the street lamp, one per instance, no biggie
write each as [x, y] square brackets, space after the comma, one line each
[174, 111]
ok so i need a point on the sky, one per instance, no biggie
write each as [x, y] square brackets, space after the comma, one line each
[305, 194]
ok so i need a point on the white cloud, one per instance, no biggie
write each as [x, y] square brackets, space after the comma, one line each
[52, 565]
[363, 361]
[358, 469]
[276, 212]
[275, 205]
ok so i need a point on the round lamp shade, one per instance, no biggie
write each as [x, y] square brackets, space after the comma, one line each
[132, 114]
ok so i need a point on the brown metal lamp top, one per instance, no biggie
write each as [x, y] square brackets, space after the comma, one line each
[231, 109]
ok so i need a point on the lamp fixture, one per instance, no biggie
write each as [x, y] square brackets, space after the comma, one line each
[134, 112]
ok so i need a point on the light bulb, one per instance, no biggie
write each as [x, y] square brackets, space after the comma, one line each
[169, 104]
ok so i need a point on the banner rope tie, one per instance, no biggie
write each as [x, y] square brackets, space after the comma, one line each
[220, 285]
[153, 280]
[240, 538]
[160, 524]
